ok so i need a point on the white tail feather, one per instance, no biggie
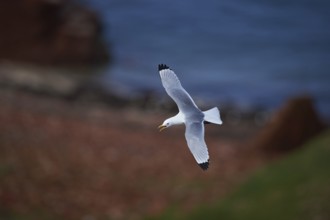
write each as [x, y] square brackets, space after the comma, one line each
[213, 116]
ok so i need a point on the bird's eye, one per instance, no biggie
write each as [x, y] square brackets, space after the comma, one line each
[167, 124]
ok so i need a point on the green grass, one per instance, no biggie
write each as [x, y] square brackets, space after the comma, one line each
[296, 187]
[31, 215]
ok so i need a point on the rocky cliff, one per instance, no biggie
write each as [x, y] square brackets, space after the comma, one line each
[50, 32]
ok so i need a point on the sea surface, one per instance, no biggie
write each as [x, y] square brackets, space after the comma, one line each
[242, 52]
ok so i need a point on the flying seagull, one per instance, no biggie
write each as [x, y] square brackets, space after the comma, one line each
[189, 114]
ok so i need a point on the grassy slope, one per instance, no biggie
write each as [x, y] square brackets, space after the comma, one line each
[297, 187]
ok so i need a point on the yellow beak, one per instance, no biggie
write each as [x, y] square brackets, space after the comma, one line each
[161, 127]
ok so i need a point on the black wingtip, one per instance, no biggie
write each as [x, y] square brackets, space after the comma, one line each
[204, 165]
[162, 67]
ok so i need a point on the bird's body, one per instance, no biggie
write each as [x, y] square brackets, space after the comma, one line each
[189, 114]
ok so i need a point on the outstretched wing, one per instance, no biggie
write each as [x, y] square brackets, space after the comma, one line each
[196, 143]
[175, 90]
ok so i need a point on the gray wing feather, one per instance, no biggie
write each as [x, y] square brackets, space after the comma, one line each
[196, 143]
[175, 90]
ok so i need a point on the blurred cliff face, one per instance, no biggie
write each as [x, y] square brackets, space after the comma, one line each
[50, 32]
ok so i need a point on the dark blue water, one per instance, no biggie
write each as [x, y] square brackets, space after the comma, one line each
[244, 52]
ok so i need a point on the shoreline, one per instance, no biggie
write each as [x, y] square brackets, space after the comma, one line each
[76, 87]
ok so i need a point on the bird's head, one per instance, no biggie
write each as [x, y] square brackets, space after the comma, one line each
[167, 123]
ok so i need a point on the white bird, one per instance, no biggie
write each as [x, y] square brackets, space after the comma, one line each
[189, 114]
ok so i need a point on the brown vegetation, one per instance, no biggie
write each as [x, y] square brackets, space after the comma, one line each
[74, 161]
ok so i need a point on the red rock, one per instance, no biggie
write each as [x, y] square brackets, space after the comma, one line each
[50, 32]
[295, 123]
